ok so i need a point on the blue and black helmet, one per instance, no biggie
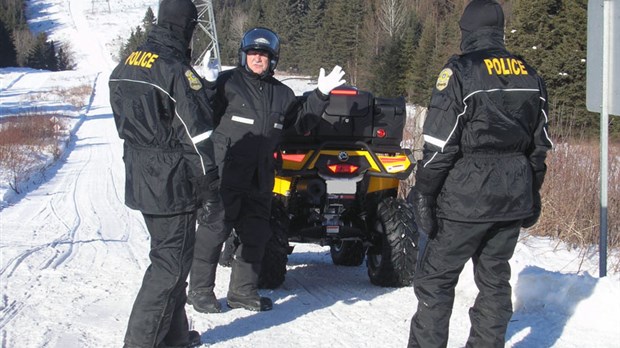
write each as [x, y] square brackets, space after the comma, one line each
[260, 39]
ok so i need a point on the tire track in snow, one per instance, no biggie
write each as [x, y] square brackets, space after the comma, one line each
[9, 311]
[70, 238]
[124, 213]
[12, 83]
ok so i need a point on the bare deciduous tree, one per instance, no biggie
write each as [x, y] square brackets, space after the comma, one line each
[392, 16]
[239, 23]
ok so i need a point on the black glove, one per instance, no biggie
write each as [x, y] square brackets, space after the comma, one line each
[207, 187]
[531, 221]
[424, 212]
[210, 212]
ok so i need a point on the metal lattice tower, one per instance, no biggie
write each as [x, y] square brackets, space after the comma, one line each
[206, 23]
[92, 11]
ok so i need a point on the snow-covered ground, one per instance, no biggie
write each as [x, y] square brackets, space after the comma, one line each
[72, 256]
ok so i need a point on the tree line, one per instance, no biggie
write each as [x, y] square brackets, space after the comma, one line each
[398, 47]
[390, 47]
[20, 47]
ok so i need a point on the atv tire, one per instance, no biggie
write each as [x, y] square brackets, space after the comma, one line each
[392, 261]
[273, 268]
[347, 253]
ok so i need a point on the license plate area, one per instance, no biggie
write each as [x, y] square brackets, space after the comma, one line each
[341, 186]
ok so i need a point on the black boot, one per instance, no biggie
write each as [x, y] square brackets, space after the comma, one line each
[201, 284]
[243, 288]
[193, 340]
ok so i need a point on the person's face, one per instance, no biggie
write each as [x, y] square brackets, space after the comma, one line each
[257, 61]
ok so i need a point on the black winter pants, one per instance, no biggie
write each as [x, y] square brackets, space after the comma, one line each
[490, 245]
[158, 313]
[248, 213]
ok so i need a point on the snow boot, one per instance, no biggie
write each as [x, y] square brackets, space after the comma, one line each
[193, 341]
[243, 288]
[201, 284]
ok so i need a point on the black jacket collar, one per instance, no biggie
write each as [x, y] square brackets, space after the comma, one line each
[483, 38]
[252, 75]
[168, 38]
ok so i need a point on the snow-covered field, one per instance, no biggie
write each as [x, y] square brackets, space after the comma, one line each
[72, 256]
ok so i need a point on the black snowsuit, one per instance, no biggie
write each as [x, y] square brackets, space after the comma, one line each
[162, 113]
[485, 147]
[251, 112]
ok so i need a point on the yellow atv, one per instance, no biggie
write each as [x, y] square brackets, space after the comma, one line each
[338, 186]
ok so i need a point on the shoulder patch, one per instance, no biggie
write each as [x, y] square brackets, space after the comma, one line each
[443, 79]
[194, 82]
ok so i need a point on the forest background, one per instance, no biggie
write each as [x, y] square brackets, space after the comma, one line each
[391, 47]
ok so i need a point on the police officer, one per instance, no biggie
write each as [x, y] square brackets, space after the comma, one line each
[252, 108]
[162, 113]
[478, 183]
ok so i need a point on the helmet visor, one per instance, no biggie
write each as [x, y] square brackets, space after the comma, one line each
[261, 39]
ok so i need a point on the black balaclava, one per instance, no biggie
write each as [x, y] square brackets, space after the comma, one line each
[180, 16]
[481, 14]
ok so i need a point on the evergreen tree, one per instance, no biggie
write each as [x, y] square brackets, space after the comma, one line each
[149, 20]
[309, 59]
[551, 36]
[567, 82]
[411, 38]
[390, 71]
[257, 15]
[64, 60]
[292, 49]
[136, 39]
[39, 54]
[340, 36]
[8, 55]
[50, 57]
[419, 76]
[138, 36]
[229, 39]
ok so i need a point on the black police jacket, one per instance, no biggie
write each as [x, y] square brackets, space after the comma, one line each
[251, 112]
[163, 114]
[485, 134]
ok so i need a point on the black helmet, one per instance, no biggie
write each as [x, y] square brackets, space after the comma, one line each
[261, 39]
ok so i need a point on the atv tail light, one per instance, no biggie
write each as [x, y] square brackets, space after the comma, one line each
[343, 168]
[343, 92]
[392, 159]
[298, 158]
[381, 133]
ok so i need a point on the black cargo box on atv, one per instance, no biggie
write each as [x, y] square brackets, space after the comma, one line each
[354, 115]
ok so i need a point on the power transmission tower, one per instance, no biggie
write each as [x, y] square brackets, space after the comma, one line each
[206, 23]
[97, 1]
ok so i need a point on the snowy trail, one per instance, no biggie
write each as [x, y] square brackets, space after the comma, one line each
[88, 43]
[74, 245]
[319, 305]
[76, 228]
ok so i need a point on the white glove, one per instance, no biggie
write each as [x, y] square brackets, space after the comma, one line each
[210, 68]
[331, 81]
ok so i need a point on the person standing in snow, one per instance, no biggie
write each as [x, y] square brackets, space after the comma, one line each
[478, 183]
[163, 114]
[251, 110]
